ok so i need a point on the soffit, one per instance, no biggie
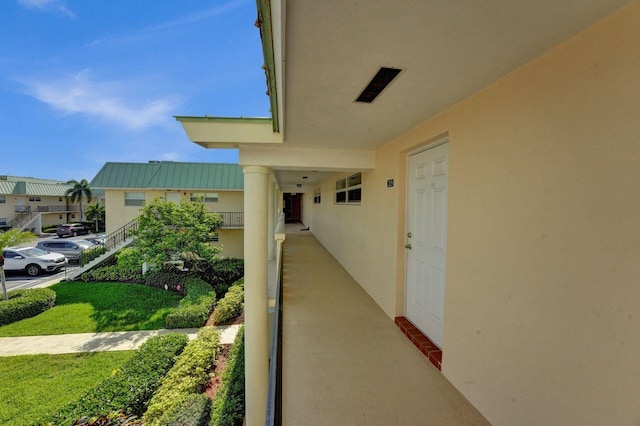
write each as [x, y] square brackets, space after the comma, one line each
[448, 50]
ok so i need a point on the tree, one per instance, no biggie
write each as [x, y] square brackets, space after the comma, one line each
[8, 239]
[77, 191]
[95, 212]
[168, 230]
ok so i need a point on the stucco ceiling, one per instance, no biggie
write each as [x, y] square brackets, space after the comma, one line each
[448, 50]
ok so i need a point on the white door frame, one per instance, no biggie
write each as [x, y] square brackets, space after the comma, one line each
[433, 145]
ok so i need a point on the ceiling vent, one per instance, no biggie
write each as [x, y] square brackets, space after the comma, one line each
[380, 81]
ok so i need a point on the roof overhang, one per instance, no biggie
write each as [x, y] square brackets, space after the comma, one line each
[229, 132]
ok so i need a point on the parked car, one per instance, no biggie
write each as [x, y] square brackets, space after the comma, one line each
[32, 260]
[71, 249]
[72, 230]
[98, 240]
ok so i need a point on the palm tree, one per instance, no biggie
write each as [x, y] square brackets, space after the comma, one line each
[77, 191]
[95, 212]
[8, 239]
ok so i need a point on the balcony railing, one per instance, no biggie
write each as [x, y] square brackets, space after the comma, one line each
[57, 209]
[274, 395]
[232, 219]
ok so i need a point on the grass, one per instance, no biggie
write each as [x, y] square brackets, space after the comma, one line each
[96, 307]
[33, 386]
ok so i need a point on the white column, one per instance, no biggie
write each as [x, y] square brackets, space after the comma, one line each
[256, 180]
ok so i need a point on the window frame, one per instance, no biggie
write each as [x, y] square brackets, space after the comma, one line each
[134, 201]
[206, 197]
[349, 190]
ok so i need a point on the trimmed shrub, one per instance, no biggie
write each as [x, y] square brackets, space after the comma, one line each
[188, 376]
[130, 388]
[195, 307]
[115, 273]
[26, 303]
[130, 258]
[92, 253]
[194, 410]
[221, 274]
[229, 403]
[231, 304]
[166, 278]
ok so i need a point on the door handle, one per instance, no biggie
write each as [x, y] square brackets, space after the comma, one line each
[407, 246]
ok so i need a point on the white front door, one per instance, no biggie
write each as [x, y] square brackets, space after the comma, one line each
[427, 184]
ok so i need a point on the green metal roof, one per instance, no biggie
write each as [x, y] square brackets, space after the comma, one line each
[169, 175]
[16, 185]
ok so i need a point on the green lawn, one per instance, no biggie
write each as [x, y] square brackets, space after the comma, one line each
[32, 386]
[94, 307]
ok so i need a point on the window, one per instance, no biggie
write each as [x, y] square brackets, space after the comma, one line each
[59, 216]
[34, 198]
[349, 189]
[207, 197]
[133, 198]
[317, 196]
[59, 199]
[214, 238]
[3, 221]
[3, 199]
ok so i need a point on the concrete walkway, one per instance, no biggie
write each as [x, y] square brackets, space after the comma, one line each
[96, 342]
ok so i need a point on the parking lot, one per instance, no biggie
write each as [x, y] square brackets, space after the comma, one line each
[19, 279]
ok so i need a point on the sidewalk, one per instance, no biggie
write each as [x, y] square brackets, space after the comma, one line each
[96, 342]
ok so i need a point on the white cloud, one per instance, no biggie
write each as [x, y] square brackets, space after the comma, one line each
[111, 101]
[171, 156]
[48, 6]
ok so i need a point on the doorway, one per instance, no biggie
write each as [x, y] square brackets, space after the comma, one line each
[292, 207]
[426, 239]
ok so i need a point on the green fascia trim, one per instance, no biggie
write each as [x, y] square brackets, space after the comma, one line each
[266, 32]
[188, 119]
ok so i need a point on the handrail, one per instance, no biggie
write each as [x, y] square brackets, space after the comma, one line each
[120, 234]
[24, 214]
[274, 395]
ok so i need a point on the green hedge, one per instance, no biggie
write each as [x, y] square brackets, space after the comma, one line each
[221, 274]
[195, 307]
[188, 376]
[130, 388]
[166, 278]
[229, 403]
[231, 304]
[27, 303]
[114, 273]
[194, 410]
[92, 253]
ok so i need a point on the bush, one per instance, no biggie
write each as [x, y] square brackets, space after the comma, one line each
[27, 303]
[130, 258]
[92, 253]
[168, 278]
[229, 403]
[194, 410]
[231, 304]
[195, 307]
[130, 388]
[115, 273]
[188, 376]
[221, 274]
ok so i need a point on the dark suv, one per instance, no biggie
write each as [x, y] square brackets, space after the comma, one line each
[71, 230]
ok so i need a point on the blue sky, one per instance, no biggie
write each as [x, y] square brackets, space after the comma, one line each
[83, 82]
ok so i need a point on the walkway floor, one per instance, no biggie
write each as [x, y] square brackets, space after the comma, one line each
[95, 342]
[344, 361]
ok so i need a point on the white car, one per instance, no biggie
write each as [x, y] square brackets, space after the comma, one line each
[32, 260]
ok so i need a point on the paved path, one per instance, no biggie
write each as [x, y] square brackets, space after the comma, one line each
[95, 342]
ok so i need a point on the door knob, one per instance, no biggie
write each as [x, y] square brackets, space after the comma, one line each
[407, 246]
